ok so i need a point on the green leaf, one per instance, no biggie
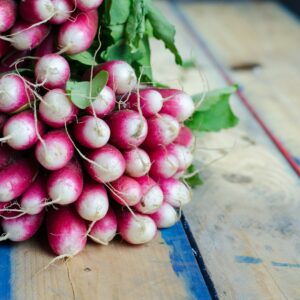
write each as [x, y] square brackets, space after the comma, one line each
[194, 180]
[117, 32]
[144, 63]
[117, 11]
[85, 58]
[98, 83]
[163, 30]
[214, 113]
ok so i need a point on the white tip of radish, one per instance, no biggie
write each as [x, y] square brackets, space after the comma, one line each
[165, 217]
[63, 10]
[183, 155]
[86, 5]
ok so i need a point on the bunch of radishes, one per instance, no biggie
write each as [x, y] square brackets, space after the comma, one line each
[113, 167]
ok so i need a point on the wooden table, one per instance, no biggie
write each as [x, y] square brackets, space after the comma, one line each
[242, 240]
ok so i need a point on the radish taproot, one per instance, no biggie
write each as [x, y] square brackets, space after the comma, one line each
[8, 13]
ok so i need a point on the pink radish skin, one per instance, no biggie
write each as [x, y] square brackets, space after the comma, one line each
[56, 109]
[13, 93]
[3, 119]
[8, 12]
[150, 102]
[185, 137]
[92, 204]
[77, 36]
[162, 130]
[16, 178]
[34, 198]
[104, 230]
[152, 197]
[164, 163]
[59, 150]
[103, 104]
[177, 104]
[136, 229]
[183, 155]
[47, 46]
[86, 5]
[175, 192]
[7, 62]
[21, 228]
[7, 155]
[66, 231]
[27, 39]
[4, 48]
[126, 191]
[65, 185]
[91, 132]
[137, 162]
[128, 129]
[165, 217]
[110, 164]
[21, 130]
[52, 70]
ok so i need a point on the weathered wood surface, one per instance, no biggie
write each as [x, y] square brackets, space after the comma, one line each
[246, 217]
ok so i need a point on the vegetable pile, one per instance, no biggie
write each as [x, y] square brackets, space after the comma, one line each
[86, 146]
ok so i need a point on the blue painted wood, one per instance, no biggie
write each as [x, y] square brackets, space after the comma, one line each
[5, 271]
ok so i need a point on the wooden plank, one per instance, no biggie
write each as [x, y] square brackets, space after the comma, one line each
[245, 217]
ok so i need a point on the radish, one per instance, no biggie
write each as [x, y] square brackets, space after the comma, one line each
[55, 151]
[25, 38]
[86, 5]
[77, 36]
[92, 204]
[136, 229]
[6, 156]
[65, 185]
[104, 230]
[152, 197]
[164, 163]
[20, 130]
[3, 119]
[4, 48]
[149, 100]
[165, 217]
[183, 155]
[91, 132]
[177, 104]
[16, 178]
[34, 198]
[66, 232]
[63, 10]
[22, 228]
[128, 129]
[162, 130]
[13, 93]
[126, 191]
[175, 192]
[56, 109]
[137, 162]
[185, 137]
[103, 104]
[105, 164]
[48, 45]
[52, 71]
[8, 13]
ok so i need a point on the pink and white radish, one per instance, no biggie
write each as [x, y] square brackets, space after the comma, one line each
[55, 150]
[63, 10]
[56, 109]
[91, 132]
[34, 198]
[148, 100]
[16, 178]
[104, 230]
[128, 129]
[162, 130]
[136, 229]
[52, 71]
[105, 164]
[152, 196]
[185, 137]
[126, 191]
[92, 205]
[86, 5]
[183, 155]
[66, 231]
[177, 104]
[137, 162]
[65, 185]
[164, 163]
[20, 228]
[175, 192]
[77, 35]
[8, 13]
[20, 130]
[48, 45]
[165, 217]
[103, 104]
[14, 93]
